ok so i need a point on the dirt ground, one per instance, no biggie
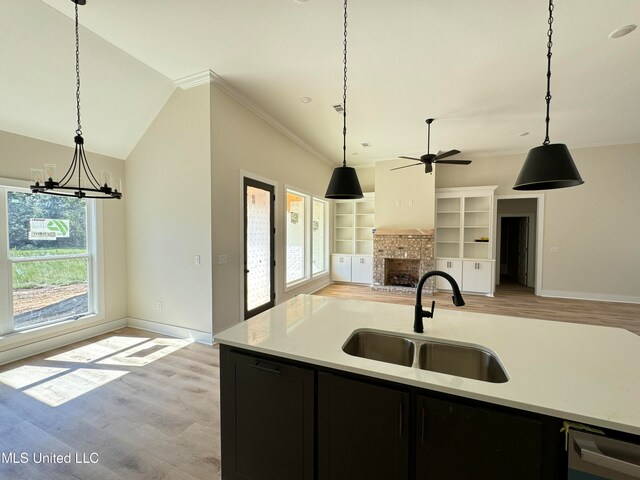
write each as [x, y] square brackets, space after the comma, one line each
[29, 299]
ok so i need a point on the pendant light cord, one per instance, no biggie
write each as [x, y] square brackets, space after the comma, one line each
[344, 92]
[548, 96]
[79, 130]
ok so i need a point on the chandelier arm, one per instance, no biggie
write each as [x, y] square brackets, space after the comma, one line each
[71, 170]
[548, 95]
[87, 169]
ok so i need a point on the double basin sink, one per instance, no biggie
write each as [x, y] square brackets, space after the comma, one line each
[425, 354]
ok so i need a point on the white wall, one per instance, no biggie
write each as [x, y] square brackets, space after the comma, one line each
[19, 154]
[405, 198]
[168, 216]
[595, 227]
[367, 178]
[242, 141]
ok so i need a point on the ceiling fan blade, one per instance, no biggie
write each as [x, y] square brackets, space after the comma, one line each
[405, 166]
[454, 162]
[450, 153]
[428, 168]
[411, 158]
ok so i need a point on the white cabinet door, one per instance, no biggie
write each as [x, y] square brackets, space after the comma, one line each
[476, 276]
[362, 269]
[453, 268]
[340, 268]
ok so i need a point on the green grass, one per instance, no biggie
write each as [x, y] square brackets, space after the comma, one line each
[27, 275]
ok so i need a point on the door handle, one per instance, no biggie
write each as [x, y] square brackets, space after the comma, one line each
[590, 453]
[274, 370]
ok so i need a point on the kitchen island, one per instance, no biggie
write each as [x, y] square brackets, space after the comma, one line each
[556, 371]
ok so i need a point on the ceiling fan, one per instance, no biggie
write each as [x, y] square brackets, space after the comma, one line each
[428, 159]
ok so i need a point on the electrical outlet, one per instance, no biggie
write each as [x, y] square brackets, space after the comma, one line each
[159, 305]
[222, 259]
[553, 249]
[197, 259]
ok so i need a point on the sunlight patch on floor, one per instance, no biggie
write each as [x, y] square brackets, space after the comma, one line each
[96, 350]
[73, 384]
[28, 375]
[157, 348]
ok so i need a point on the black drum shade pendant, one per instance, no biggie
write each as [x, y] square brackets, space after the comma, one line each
[550, 165]
[344, 184]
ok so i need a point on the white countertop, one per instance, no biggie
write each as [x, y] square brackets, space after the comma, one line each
[582, 373]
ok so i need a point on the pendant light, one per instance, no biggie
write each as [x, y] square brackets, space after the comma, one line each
[70, 185]
[344, 184]
[550, 165]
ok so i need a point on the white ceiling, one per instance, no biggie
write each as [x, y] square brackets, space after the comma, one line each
[478, 67]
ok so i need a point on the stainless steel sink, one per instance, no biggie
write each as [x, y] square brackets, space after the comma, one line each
[468, 362]
[382, 347]
[437, 356]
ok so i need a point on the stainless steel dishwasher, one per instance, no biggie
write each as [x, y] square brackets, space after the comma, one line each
[595, 457]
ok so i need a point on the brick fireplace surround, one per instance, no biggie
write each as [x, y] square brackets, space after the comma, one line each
[391, 245]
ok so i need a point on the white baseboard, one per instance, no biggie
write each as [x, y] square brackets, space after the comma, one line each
[171, 330]
[45, 345]
[598, 297]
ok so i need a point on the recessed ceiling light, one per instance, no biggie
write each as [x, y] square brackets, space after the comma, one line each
[622, 31]
[366, 144]
[523, 134]
[306, 99]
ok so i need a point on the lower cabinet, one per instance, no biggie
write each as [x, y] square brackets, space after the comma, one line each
[362, 269]
[453, 268]
[476, 276]
[352, 268]
[363, 430]
[371, 430]
[341, 268]
[267, 419]
[456, 441]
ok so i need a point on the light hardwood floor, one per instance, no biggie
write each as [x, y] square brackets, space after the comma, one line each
[158, 417]
[513, 300]
[148, 405]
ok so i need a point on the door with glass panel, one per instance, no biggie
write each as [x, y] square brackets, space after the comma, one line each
[259, 242]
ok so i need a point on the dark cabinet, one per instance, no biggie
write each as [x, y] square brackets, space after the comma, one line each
[362, 430]
[456, 441]
[267, 419]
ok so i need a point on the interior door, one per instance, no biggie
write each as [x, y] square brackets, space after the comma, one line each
[523, 249]
[259, 242]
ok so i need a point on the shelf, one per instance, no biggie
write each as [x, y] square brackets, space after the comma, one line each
[447, 226]
[478, 243]
[475, 226]
[345, 227]
[344, 214]
[477, 211]
[446, 241]
[448, 211]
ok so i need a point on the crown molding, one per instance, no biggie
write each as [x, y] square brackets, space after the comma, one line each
[209, 76]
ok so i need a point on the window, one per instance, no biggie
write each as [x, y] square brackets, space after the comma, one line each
[319, 235]
[49, 257]
[306, 237]
[296, 236]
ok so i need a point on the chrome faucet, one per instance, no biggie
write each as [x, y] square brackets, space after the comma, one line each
[458, 301]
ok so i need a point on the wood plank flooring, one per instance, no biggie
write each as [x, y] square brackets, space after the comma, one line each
[148, 405]
[513, 300]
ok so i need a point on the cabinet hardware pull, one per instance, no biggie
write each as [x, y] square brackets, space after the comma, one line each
[590, 453]
[275, 370]
[422, 433]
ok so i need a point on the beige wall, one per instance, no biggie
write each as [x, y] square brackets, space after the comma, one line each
[18, 154]
[405, 198]
[242, 141]
[367, 178]
[594, 227]
[168, 216]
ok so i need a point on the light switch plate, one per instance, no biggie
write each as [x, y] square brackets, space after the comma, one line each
[222, 259]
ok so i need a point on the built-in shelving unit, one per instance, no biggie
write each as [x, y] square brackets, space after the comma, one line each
[353, 240]
[464, 226]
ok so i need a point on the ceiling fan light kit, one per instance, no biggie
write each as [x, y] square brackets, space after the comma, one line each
[344, 184]
[79, 164]
[550, 165]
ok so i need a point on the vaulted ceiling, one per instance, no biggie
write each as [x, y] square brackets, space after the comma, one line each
[477, 67]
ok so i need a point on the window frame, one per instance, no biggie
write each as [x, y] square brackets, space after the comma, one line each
[95, 273]
[325, 237]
